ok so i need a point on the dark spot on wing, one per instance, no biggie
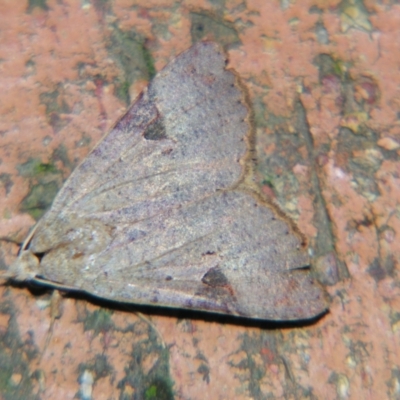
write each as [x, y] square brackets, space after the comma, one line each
[155, 130]
[214, 277]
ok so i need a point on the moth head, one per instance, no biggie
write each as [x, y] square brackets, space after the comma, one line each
[24, 268]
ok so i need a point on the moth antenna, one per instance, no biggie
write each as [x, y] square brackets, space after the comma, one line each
[55, 313]
[152, 326]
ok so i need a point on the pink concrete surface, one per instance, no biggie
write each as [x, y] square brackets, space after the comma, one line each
[323, 77]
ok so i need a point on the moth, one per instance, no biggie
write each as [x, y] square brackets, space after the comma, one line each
[165, 211]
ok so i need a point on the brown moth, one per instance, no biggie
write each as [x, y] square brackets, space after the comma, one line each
[164, 210]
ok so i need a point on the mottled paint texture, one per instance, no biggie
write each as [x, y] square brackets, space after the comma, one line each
[323, 79]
